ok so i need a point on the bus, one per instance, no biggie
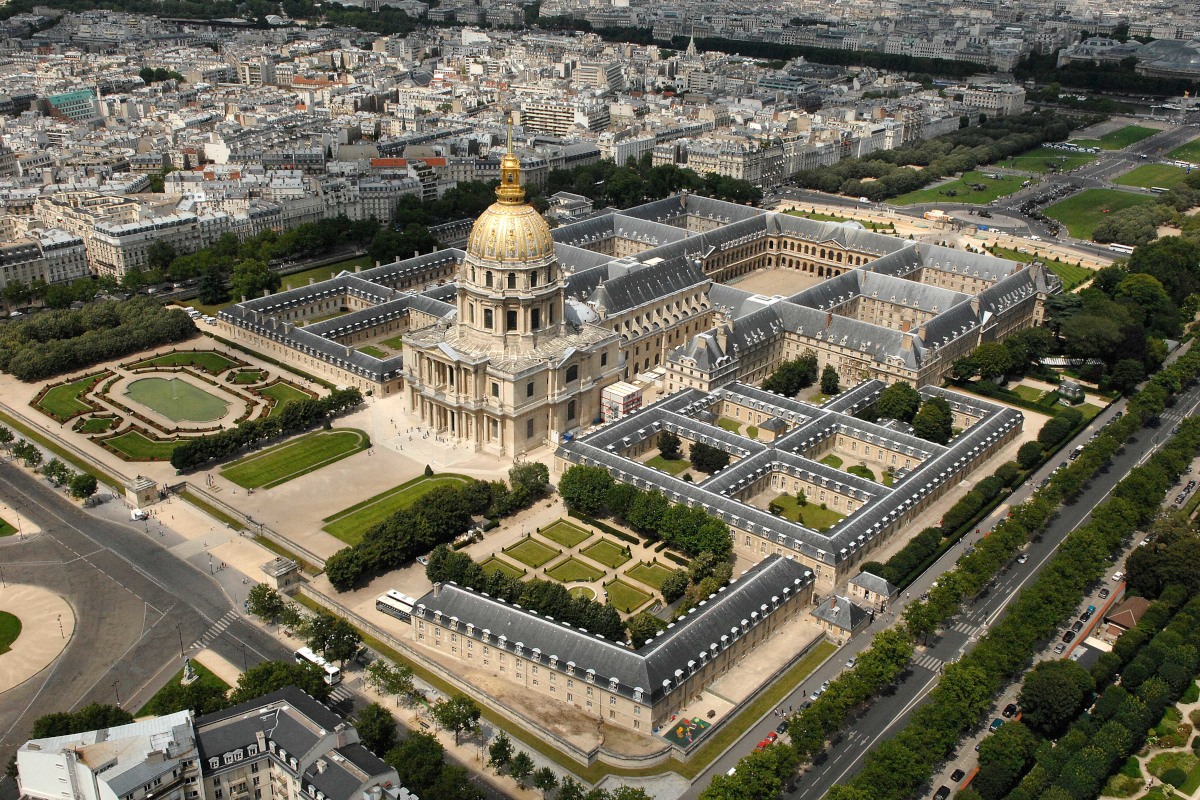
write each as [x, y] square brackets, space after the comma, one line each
[1158, 190]
[333, 675]
[396, 605]
[1120, 248]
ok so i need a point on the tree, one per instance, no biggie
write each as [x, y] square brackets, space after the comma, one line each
[264, 602]
[899, 401]
[252, 277]
[707, 458]
[585, 488]
[33, 456]
[547, 781]
[418, 762]
[334, 638]
[992, 359]
[533, 476]
[6, 437]
[644, 626]
[647, 512]
[83, 486]
[199, 697]
[520, 767]
[668, 446]
[160, 254]
[394, 680]
[934, 422]
[1126, 375]
[500, 751]
[1029, 454]
[829, 380]
[459, 713]
[376, 729]
[212, 287]
[270, 676]
[1003, 757]
[1053, 694]
[89, 718]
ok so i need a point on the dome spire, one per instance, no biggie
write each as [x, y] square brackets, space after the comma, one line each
[509, 191]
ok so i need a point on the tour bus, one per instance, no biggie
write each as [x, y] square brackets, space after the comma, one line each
[1120, 248]
[1158, 190]
[396, 605]
[333, 675]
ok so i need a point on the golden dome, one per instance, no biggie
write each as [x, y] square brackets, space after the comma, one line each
[508, 232]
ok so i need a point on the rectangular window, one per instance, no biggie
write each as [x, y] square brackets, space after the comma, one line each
[604, 359]
[572, 373]
[528, 429]
[495, 390]
[529, 389]
[487, 318]
[511, 320]
[535, 318]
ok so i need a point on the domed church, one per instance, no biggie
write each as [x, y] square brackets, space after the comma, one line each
[508, 372]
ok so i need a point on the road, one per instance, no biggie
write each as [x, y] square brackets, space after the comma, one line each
[888, 712]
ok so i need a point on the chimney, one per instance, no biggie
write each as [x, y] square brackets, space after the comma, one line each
[416, 253]
[975, 305]
[312, 281]
[262, 740]
[347, 350]
[905, 325]
[243, 298]
[321, 765]
[357, 268]
[437, 589]
[906, 342]
[828, 318]
[289, 287]
[921, 332]
[266, 292]
[377, 262]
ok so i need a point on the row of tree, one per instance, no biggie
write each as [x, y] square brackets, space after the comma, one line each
[592, 491]
[437, 517]
[792, 376]
[81, 484]
[549, 598]
[636, 182]
[55, 342]
[293, 417]
[56, 295]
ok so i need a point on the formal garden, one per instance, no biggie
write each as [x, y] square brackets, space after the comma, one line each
[351, 523]
[300, 456]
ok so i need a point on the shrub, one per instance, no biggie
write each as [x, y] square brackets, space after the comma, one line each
[1175, 776]
[1029, 455]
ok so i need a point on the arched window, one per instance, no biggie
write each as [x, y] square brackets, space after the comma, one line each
[487, 317]
[471, 310]
[572, 373]
[571, 410]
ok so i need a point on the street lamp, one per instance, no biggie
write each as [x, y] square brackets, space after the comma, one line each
[245, 666]
[179, 630]
[117, 690]
[60, 627]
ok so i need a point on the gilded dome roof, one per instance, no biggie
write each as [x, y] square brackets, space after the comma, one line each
[510, 232]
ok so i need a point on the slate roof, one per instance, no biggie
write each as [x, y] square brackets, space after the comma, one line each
[840, 612]
[647, 284]
[653, 668]
[289, 717]
[875, 584]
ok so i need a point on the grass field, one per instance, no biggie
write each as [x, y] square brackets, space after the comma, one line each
[249, 376]
[866, 223]
[396, 343]
[298, 279]
[10, 629]
[177, 399]
[203, 675]
[531, 552]
[282, 392]
[1118, 139]
[861, 471]
[606, 552]
[63, 401]
[1148, 175]
[573, 570]
[729, 424]
[139, 448]
[564, 533]
[673, 466]
[811, 515]
[350, 524]
[581, 591]
[832, 460]
[207, 360]
[649, 574]
[497, 564]
[292, 459]
[97, 425]
[1042, 159]
[374, 352]
[1071, 275]
[965, 194]
[624, 597]
[1084, 211]
[8, 530]
[1189, 152]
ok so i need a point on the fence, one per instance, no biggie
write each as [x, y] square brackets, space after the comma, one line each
[65, 445]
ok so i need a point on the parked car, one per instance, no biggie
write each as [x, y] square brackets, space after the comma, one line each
[1085, 616]
[1059, 648]
[1021, 559]
[995, 726]
[772, 736]
[1068, 637]
[1078, 626]
[942, 793]
[423, 561]
[957, 775]
[1104, 594]
[782, 729]
[1010, 710]
[1117, 576]
[850, 664]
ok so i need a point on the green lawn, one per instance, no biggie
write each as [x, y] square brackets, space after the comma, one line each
[581, 591]
[888, 479]
[565, 533]
[203, 674]
[497, 564]
[139, 448]
[811, 514]
[866, 223]
[964, 193]
[832, 461]
[861, 471]
[1189, 152]
[1084, 211]
[299, 279]
[649, 574]
[1118, 139]
[248, 376]
[206, 360]
[97, 425]
[818, 399]
[606, 552]
[1028, 393]
[729, 425]
[531, 552]
[1071, 275]
[63, 401]
[673, 466]
[1149, 175]
[1046, 159]
[8, 530]
[1192, 783]
[1089, 411]
[396, 343]
[292, 459]
[573, 570]
[624, 597]
[282, 392]
[177, 400]
[373, 352]
[350, 524]
[10, 629]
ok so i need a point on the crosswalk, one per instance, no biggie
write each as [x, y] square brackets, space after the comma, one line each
[340, 694]
[969, 630]
[214, 631]
[929, 662]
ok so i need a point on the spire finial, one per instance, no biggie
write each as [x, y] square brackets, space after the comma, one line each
[510, 133]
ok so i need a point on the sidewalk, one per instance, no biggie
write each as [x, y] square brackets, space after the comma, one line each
[41, 639]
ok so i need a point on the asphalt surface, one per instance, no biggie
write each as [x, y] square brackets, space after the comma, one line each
[889, 712]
